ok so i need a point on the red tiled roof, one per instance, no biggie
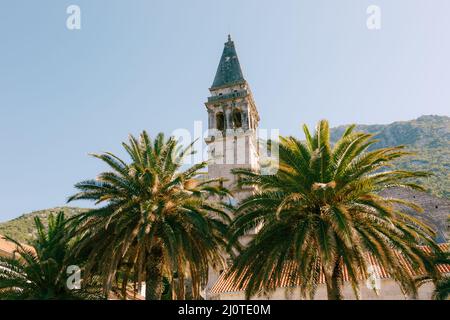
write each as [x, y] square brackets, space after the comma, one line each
[225, 283]
[7, 248]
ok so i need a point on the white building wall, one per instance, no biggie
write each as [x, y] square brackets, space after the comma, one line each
[389, 290]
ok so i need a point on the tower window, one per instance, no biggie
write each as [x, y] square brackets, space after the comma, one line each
[220, 121]
[237, 119]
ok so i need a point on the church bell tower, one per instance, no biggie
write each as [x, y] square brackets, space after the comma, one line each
[232, 122]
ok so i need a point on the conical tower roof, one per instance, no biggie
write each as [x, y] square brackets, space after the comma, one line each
[229, 71]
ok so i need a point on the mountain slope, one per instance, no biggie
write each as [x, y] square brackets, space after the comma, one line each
[23, 228]
[427, 136]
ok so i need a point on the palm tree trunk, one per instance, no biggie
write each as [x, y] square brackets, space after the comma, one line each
[153, 283]
[334, 292]
[334, 283]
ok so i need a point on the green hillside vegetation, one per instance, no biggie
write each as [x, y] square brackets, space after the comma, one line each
[427, 136]
[23, 228]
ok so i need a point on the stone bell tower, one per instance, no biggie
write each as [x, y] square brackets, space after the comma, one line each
[232, 121]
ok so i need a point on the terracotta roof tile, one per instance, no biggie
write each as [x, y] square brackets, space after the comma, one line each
[225, 284]
[7, 248]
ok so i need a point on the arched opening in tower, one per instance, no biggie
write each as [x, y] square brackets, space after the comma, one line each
[220, 121]
[237, 119]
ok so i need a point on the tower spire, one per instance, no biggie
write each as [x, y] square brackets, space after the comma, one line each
[229, 70]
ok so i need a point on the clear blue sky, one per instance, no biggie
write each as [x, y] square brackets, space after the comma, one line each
[142, 64]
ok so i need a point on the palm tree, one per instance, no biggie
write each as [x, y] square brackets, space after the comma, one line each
[322, 210]
[157, 220]
[442, 291]
[40, 272]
